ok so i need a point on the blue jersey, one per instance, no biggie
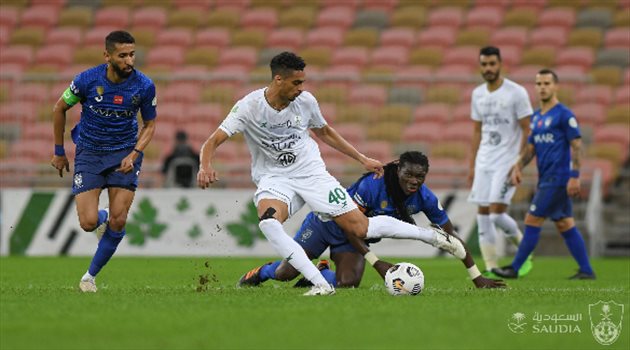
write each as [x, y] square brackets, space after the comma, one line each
[551, 135]
[371, 196]
[108, 117]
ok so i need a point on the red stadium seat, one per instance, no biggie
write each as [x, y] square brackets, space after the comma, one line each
[432, 112]
[243, 56]
[461, 113]
[454, 73]
[622, 95]
[354, 133]
[617, 38]
[612, 133]
[525, 74]
[425, 132]
[485, 16]
[261, 18]
[200, 5]
[502, 5]
[233, 4]
[175, 37]
[562, 17]
[186, 92]
[21, 55]
[350, 56]
[172, 112]
[9, 16]
[330, 37]
[169, 56]
[398, 37]
[19, 112]
[149, 17]
[329, 111]
[511, 55]
[458, 131]
[592, 114]
[516, 36]
[380, 5]
[34, 149]
[340, 17]
[290, 38]
[96, 36]
[115, 16]
[4, 35]
[439, 36]
[374, 95]
[353, 4]
[601, 94]
[55, 55]
[30, 92]
[462, 55]
[70, 36]
[38, 131]
[216, 37]
[381, 150]
[391, 56]
[206, 112]
[44, 16]
[581, 56]
[446, 17]
[555, 36]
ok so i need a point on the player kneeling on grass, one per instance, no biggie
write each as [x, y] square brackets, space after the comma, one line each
[400, 193]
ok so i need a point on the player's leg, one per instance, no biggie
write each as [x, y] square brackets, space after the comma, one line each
[501, 219]
[350, 266]
[480, 195]
[574, 241]
[501, 194]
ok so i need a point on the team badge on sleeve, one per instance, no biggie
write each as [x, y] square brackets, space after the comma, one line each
[573, 122]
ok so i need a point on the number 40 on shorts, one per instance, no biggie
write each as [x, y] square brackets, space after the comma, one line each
[337, 196]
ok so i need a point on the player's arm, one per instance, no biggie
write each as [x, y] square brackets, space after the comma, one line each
[207, 174]
[476, 140]
[332, 138]
[523, 123]
[526, 156]
[573, 186]
[66, 101]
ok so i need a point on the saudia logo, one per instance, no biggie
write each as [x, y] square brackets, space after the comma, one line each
[111, 113]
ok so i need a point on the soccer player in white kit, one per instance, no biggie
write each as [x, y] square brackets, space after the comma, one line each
[501, 111]
[288, 171]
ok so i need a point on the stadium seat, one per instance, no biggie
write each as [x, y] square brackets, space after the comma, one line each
[592, 114]
[206, 56]
[601, 94]
[432, 112]
[206, 112]
[21, 55]
[352, 56]
[216, 37]
[30, 92]
[187, 18]
[76, 16]
[297, 17]
[70, 36]
[612, 151]
[369, 18]
[613, 57]
[218, 93]
[223, 17]
[579, 56]
[34, 149]
[619, 114]
[45, 16]
[594, 17]
[18, 112]
[38, 131]
[617, 38]
[385, 131]
[252, 37]
[199, 5]
[340, 17]
[461, 113]
[520, 17]
[398, 113]
[333, 93]
[374, 95]
[431, 56]
[329, 111]
[363, 37]
[182, 37]
[607, 75]
[621, 18]
[392, 56]
[172, 112]
[381, 150]
[440, 36]
[462, 55]
[445, 17]
[589, 37]
[454, 73]
[9, 16]
[116, 16]
[234, 5]
[489, 17]
[55, 55]
[353, 132]
[612, 133]
[516, 36]
[149, 17]
[185, 92]
[32, 36]
[408, 17]
[461, 131]
[259, 18]
[169, 56]
[96, 36]
[450, 150]
[380, 5]
[424, 132]
[330, 37]
[539, 56]
[399, 36]
[444, 93]
[290, 38]
[243, 56]
[549, 36]
[404, 95]
[316, 56]
[558, 17]
[91, 55]
[353, 4]
[473, 37]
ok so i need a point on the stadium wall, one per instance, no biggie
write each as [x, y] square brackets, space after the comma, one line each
[173, 222]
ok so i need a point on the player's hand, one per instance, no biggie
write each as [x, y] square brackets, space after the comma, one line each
[373, 165]
[126, 165]
[573, 187]
[60, 163]
[206, 177]
[382, 267]
[515, 176]
[482, 282]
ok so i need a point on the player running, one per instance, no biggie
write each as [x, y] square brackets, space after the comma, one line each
[108, 147]
[556, 142]
[500, 109]
[400, 193]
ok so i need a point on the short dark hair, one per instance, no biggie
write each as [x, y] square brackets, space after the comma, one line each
[118, 37]
[549, 71]
[489, 51]
[285, 63]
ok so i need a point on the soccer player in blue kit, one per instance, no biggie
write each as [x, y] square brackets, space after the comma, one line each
[556, 142]
[108, 147]
[399, 193]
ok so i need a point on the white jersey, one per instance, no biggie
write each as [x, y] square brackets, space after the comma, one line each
[279, 141]
[499, 112]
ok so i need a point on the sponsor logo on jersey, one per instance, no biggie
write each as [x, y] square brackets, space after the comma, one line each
[495, 138]
[286, 158]
[118, 99]
[544, 138]
[104, 112]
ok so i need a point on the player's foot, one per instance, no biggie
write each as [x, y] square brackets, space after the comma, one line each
[582, 276]
[303, 282]
[447, 242]
[88, 285]
[505, 272]
[321, 289]
[251, 278]
[489, 274]
[527, 266]
[100, 230]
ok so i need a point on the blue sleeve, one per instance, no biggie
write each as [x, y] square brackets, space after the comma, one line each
[570, 126]
[149, 103]
[432, 207]
[363, 195]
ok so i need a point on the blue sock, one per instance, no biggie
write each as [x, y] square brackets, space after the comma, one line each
[268, 271]
[102, 217]
[529, 242]
[106, 248]
[330, 276]
[574, 241]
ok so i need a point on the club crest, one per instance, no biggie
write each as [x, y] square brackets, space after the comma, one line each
[606, 319]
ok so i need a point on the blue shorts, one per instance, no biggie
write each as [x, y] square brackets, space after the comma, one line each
[315, 236]
[98, 170]
[552, 202]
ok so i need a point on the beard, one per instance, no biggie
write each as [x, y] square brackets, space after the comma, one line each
[121, 73]
[491, 77]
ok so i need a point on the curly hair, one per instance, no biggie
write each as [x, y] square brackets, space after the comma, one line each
[285, 63]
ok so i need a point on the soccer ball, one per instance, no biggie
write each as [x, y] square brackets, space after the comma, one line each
[404, 279]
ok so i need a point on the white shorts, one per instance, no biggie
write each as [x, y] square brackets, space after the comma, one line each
[491, 186]
[322, 192]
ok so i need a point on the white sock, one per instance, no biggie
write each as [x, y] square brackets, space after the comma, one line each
[290, 250]
[87, 277]
[487, 241]
[383, 226]
[509, 226]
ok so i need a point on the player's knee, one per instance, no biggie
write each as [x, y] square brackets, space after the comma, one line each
[494, 217]
[348, 280]
[285, 273]
[88, 224]
[117, 222]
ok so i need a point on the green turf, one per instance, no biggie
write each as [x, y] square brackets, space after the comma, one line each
[158, 303]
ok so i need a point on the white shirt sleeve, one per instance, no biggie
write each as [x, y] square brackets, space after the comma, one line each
[522, 106]
[316, 119]
[236, 120]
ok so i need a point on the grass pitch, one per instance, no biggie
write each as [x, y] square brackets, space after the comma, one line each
[192, 303]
